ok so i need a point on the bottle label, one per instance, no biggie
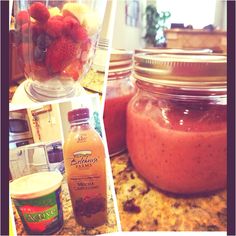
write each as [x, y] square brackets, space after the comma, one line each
[83, 159]
[86, 184]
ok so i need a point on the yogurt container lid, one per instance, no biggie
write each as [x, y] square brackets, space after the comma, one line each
[35, 185]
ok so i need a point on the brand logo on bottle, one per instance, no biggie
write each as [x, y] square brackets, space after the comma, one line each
[82, 138]
[83, 159]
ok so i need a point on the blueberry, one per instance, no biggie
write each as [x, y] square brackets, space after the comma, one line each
[43, 41]
[39, 54]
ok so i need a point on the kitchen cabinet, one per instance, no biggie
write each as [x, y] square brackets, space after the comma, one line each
[197, 39]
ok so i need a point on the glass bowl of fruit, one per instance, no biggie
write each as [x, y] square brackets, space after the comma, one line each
[56, 42]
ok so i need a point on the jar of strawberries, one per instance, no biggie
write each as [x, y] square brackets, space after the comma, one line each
[56, 43]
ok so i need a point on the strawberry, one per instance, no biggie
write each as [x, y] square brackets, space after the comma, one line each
[54, 28]
[33, 30]
[74, 70]
[79, 34]
[22, 17]
[69, 24]
[25, 31]
[73, 28]
[57, 17]
[60, 54]
[39, 12]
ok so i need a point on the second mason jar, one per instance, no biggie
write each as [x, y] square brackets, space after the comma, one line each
[120, 90]
[176, 122]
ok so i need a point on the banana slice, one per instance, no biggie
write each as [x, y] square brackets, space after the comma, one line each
[54, 11]
[91, 23]
[77, 10]
[32, 20]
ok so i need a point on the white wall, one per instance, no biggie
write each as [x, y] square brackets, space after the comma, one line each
[221, 14]
[124, 36]
[50, 124]
[197, 13]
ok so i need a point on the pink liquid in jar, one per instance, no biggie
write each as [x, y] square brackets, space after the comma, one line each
[177, 152]
[115, 122]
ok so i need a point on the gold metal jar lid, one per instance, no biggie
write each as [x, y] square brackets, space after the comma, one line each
[120, 63]
[121, 55]
[181, 70]
[173, 51]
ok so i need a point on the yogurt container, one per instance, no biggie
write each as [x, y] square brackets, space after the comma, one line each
[37, 198]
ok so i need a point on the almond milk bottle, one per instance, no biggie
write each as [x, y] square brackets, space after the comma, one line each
[84, 159]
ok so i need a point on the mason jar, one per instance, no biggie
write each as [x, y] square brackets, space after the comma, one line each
[120, 90]
[176, 122]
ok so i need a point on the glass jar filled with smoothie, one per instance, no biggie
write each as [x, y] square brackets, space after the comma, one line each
[176, 122]
[120, 90]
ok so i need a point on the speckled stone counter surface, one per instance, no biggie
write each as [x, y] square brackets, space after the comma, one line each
[144, 208]
[70, 226]
[93, 81]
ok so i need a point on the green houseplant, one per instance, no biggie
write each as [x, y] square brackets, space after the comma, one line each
[155, 25]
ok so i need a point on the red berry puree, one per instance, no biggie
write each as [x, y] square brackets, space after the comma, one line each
[115, 122]
[181, 151]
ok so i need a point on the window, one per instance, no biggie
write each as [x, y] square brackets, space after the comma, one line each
[196, 13]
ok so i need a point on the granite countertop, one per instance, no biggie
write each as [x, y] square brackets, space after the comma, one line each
[93, 81]
[70, 226]
[144, 208]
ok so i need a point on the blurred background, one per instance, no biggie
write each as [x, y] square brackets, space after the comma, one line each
[171, 24]
[37, 134]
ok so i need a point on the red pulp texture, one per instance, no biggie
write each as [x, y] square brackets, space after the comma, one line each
[188, 158]
[115, 122]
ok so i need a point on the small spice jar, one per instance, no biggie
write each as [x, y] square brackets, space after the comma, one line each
[176, 122]
[120, 90]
